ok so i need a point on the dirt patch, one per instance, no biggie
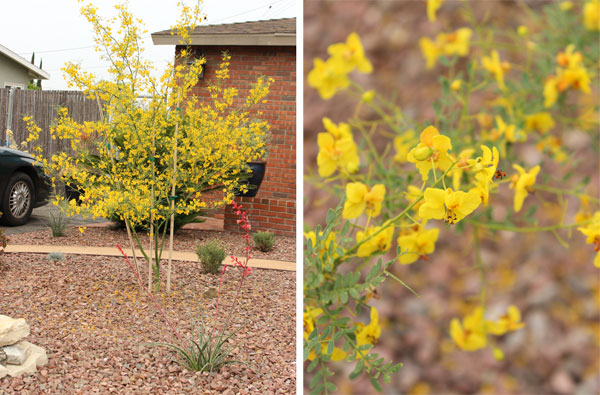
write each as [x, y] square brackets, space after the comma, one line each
[184, 240]
[93, 321]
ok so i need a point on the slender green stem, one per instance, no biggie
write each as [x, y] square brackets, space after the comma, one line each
[511, 228]
[549, 188]
[479, 262]
[401, 282]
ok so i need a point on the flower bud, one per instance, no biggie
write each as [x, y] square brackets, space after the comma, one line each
[368, 96]
[455, 85]
[422, 153]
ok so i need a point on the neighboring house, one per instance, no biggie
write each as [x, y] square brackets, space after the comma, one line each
[16, 71]
[257, 48]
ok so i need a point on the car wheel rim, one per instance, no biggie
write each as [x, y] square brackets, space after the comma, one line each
[19, 199]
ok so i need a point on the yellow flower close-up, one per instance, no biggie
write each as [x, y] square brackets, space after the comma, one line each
[522, 184]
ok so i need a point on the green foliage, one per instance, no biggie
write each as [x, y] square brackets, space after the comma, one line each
[206, 351]
[211, 254]
[264, 241]
[58, 221]
[55, 256]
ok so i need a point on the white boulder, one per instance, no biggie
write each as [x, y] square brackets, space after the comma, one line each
[12, 330]
[36, 356]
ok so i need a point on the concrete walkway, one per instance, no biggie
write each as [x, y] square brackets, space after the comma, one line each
[113, 251]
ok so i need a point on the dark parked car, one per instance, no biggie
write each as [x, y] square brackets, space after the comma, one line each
[23, 186]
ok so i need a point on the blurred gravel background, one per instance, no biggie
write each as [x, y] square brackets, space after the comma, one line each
[556, 288]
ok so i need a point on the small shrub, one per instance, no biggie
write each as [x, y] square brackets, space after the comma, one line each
[264, 241]
[58, 222]
[211, 254]
[55, 256]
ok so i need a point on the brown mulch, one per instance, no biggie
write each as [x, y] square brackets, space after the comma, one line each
[184, 240]
[93, 321]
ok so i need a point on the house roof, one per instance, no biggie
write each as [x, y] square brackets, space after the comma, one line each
[272, 32]
[36, 72]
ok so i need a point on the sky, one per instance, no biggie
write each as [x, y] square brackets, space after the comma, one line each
[57, 33]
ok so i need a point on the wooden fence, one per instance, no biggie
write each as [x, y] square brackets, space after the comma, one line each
[42, 106]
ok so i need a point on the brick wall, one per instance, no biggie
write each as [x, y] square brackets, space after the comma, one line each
[274, 207]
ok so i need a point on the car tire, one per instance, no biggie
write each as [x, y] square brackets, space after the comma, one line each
[18, 200]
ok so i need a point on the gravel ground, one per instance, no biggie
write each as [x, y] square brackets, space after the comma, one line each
[93, 320]
[184, 240]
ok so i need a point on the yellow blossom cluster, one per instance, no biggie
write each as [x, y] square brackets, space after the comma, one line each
[471, 334]
[570, 74]
[331, 75]
[127, 163]
[446, 44]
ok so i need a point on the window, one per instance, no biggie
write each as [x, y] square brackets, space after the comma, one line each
[14, 85]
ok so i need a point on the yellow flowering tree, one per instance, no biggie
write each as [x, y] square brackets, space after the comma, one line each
[144, 162]
[404, 185]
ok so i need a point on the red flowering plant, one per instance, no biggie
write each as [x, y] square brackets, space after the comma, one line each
[206, 352]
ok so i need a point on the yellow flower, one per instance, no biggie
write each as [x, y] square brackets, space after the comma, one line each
[432, 7]
[541, 122]
[402, 144]
[471, 335]
[308, 318]
[511, 321]
[550, 92]
[565, 5]
[522, 31]
[82, 229]
[461, 165]
[368, 96]
[493, 65]
[336, 149]
[324, 248]
[522, 183]
[360, 197]
[328, 77]
[571, 74]
[485, 167]
[455, 85]
[417, 245]
[377, 244]
[351, 55]
[485, 171]
[592, 232]
[431, 151]
[368, 334]
[449, 205]
[591, 15]
[448, 44]
[430, 51]
[413, 194]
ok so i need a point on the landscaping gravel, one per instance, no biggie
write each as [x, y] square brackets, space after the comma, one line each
[93, 320]
[185, 240]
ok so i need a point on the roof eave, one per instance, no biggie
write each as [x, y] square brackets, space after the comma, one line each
[277, 39]
[39, 73]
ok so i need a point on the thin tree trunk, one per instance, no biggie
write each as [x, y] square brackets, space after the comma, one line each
[173, 201]
[152, 207]
[137, 267]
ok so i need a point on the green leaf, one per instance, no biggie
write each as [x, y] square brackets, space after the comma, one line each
[354, 293]
[374, 271]
[344, 297]
[375, 384]
[330, 387]
[316, 378]
[312, 365]
[330, 347]
[358, 369]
